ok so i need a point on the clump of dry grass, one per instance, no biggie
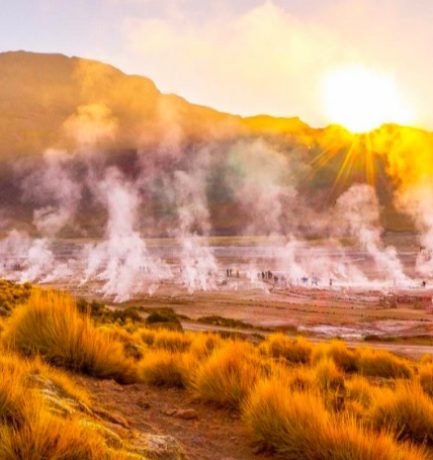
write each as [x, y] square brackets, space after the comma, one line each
[147, 336]
[378, 363]
[297, 426]
[204, 344]
[299, 378]
[327, 376]
[44, 436]
[133, 347]
[426, 378]
[40, 373]
[174, 341]
[165, 368]
[407, 411]
[360, 390]
[345, 359]
[50, 325]
[297, 351]
[14, 401]
[229, 374]
[29, 426]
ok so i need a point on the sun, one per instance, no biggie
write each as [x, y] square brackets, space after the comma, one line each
[361, 99]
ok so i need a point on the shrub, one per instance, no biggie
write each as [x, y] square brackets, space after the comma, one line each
[229, 374]
[164, 368]
[378, 363]
[407, 411]
[293, 350]
[297, 426]
[165, 318]
[11, 295]
[50, 325]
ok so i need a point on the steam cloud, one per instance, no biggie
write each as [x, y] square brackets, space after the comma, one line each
[169, 189]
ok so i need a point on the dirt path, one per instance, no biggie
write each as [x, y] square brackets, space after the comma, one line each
[214, 434]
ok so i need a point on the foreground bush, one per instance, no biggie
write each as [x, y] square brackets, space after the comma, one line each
[407, 411]
[297, 426]
[50, 325]
[229, 374]
[378, 363]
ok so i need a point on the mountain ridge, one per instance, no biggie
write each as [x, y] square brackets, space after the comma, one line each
[52, 101]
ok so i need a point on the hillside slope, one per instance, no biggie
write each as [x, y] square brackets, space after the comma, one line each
[50, 101]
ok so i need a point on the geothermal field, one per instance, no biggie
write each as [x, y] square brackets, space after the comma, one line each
[317, 287]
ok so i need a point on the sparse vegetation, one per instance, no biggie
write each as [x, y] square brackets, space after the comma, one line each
[298, 399]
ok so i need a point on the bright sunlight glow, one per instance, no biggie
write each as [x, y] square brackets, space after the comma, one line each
[361, 99]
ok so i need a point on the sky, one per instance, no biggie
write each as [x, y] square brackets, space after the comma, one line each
[245, 56]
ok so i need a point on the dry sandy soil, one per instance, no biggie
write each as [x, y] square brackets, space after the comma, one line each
[211, 434]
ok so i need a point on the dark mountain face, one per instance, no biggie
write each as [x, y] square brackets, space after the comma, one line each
[65, 121]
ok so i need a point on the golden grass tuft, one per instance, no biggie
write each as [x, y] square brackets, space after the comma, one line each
[50, 325]
[174, 341]
[297, 351]
[327, 376]
[14, 402]
[297, 426]
[165, 368]
[203, 344]
[378, 363]
[426, 378]
[29, 427]
[345, 359]
[360, 390]
[229, 374]
[407, 411]
[44, 436]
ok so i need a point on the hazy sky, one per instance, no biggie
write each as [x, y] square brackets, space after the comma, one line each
[242, 56]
